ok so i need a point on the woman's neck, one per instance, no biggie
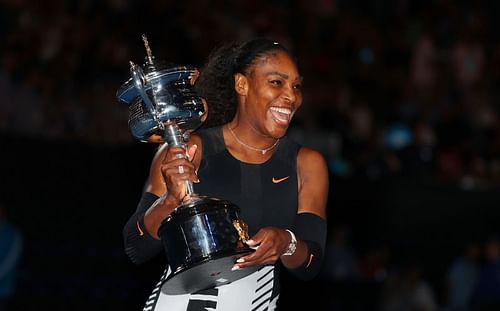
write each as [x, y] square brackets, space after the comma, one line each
[246, 144]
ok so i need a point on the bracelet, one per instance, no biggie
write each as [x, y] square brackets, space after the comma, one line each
[292, 246]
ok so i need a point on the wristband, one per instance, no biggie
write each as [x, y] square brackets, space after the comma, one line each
[292, 246]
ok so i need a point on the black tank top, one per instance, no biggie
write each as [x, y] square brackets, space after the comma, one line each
[265, 193]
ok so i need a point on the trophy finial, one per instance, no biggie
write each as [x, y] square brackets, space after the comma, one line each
[148, 49]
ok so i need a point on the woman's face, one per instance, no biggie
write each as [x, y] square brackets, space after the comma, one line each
[272, 94]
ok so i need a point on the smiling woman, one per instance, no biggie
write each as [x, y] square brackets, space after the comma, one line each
[242, 154]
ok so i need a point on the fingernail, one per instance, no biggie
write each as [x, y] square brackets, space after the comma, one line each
[240, 260]
[250, 242]
[235, 267]
[197, 180]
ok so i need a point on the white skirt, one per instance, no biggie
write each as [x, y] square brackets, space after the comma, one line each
[252, 292]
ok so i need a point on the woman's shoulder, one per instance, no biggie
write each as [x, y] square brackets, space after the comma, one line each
[310, 154]
[308, 157]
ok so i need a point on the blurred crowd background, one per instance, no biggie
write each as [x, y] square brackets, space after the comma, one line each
[402, 98]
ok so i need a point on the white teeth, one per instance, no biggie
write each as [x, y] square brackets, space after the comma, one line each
[281, 114]
[282, 110]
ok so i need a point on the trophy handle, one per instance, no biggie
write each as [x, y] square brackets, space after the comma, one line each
[139, 81]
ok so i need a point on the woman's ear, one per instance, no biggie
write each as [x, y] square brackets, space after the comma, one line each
[240, 84]
[205, 109]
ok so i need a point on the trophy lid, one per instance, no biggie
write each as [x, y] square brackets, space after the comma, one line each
[128, 94]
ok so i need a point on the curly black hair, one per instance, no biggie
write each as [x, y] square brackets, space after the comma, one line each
[216, 80]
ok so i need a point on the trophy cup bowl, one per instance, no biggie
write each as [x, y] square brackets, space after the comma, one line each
[171, 100]
[203, 236]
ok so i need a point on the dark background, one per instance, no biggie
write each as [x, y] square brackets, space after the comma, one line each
[400, 96]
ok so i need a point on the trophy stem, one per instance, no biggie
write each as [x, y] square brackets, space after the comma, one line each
[174, 138]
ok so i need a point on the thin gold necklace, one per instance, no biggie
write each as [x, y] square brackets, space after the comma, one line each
[262, 151]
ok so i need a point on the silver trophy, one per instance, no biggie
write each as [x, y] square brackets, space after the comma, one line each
[204, 236]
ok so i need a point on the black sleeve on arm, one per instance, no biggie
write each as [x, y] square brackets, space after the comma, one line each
[311, 229]
[140, 246]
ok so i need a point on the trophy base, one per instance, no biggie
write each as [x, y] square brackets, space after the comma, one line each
[211, 273]
[203, 238]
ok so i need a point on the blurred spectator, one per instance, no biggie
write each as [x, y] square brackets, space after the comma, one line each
[407, 290]
[10, 254]
[467, 55]
[374, 264]
[398, 136]
[462, 277]
[341, 261]
[423, 63]
[486, 294]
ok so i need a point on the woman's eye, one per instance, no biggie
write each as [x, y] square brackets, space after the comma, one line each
[297, 86]
[276, 82]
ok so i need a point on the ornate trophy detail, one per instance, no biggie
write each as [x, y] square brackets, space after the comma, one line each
[203, 236]
[242, 229]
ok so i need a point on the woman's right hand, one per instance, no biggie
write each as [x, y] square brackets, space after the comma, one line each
[168, 182]
[177, 169]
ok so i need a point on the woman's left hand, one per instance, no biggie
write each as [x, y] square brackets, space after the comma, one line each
[269, 244]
